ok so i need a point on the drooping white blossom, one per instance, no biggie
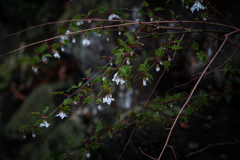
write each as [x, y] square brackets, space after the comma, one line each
[197, 5]
[119, 33]
[160, 62]
[151, 19]
[44, 124]
[128, 61]
[62, 49]
[108, 99]
[144, 82]
[107, 39]
[44, 59]
[86, 42]
[187, 6]
[113, 16]
[79, 23]
[33, 134]
[73, 40]
[169, 58]
[88, 155]
[61, 114]
[56, 55]
[35, 69]
[157, 68]
[118, 79]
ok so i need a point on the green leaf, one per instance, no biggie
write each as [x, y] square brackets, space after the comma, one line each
[87, 32]
[66, 41]
[79, 16]
[176, 47]
[99, 126]
[118, 116]
[195, 46]
[67, 101]
[88, 100]
[202, 57]
[88, 72]
[159, 51]
[159, 9]
[54, 93]
[117, 11]
[61, 31]
[47, 55]
[22, 127]
[25, 60]
[145, 4]
[172, 12]
[45, 110]
[167, 1]
[34, 113]
[35, 60]
[73, 86]
[114, 49]
[190, 110]
[41, 48]
[102, 9]
[70, 142]
[125, 16]
[176, 95]
[91, 12]
[166, 64]
[63, 156]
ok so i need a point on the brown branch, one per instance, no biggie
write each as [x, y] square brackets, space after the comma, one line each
[207, 72]
[147, 155]
[190, 97]
[173, 151]
[128, 142]
[210, 145]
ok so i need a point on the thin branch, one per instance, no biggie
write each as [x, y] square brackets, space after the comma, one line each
[173, 151]
[127, 142]
[190, 98]
[207, 72]
[210, 145]
[147, 155]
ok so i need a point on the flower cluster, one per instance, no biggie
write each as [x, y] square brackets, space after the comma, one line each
[118, 79]
[113, 16]
[86, 42]
[197, 5]
[108, 98]
[62, 115]
[56, 55]
[44, 124]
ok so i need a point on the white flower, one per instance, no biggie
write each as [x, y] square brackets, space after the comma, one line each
[157, 68]
[73, 40]
[62, 49]
[131, 53]
[44, 59]
[108, 99]
[33, 134]
[34, 69]
[169, 58]
[118, 79]
[56, 55]
[197, 5]
[68, 31]
[61, 114]
[86, 42]
[187, 6]
[204, 18]
[128, 61]
[75, 103]
[137, 19]
[147, 79]
[89, 21]
[157, 26]
[103, 78]
[160, 62]
[113, 16]
[107, 39]
[119, 33]
[99, 107]
[88, 155]
[44, 124]
[79, 23]
[144, 82]
[151, 19]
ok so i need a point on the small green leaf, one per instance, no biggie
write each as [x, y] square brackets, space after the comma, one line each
[41, 48]
[99, 126]
[195, 46]
[45, 110]
[25, 60]
[176, 47]
[88, 72]
[90, 12]
[117, 11]
[70, 142]
[47, 55]
[35, 60]
[202, 57]
[54, 93]
[145, 4]
[118, 116]
[125, 16]
[159, 51]
[172, 12]
[102, 9]
[166, 64]
[159, 9]
[88, 100]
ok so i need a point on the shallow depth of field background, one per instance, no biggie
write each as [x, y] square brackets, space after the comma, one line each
[22, 91]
